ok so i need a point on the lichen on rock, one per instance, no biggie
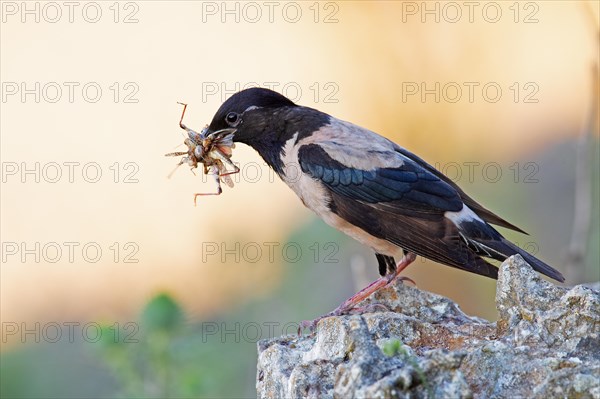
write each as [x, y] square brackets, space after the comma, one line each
[545, 344]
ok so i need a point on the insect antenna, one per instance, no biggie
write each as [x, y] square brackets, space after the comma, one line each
[176, 154]
[174, 169]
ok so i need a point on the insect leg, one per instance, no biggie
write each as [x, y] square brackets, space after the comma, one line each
[214, 172]
[182, 114]
[233, 172]
[190, 132]
[227, 161]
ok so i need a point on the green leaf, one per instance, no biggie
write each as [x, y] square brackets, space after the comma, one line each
[391, 347]
[162, 313]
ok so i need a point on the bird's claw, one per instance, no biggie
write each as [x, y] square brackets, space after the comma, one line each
[370, 308]
[404, 278]
[312, 324]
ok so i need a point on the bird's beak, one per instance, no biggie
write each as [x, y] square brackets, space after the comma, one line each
[221, 139]
[218, 134]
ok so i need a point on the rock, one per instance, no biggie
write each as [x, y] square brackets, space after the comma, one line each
[545, 344]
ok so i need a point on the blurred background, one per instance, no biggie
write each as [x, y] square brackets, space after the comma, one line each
[114, 285]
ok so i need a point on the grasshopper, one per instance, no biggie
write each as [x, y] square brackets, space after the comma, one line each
[212, 150]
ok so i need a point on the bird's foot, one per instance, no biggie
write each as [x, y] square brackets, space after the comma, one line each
[310, 324]
[370, 308]
[343, 309]
[350, 305]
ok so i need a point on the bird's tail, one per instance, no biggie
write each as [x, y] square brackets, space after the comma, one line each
[507, 249]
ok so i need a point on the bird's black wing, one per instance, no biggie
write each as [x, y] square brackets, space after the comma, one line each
[480, 210]
[403, 204]
[408, 187]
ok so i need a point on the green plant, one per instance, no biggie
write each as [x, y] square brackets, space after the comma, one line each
[150, 364]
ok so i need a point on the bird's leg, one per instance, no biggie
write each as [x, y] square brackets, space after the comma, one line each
[406, 260]
[376, 285]
[350, 304]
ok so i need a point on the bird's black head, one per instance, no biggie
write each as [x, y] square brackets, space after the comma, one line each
[249, 112]
[266, 120]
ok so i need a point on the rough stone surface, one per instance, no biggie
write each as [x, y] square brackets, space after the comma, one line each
[546, 344]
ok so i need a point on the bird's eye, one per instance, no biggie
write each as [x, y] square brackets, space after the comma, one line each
[232, 118]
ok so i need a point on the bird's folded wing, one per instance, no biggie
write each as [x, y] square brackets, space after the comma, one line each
[404, 205]
[363, 149]
[407, 187]
[479, 209]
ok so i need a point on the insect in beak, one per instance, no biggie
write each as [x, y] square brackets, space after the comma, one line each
[212, 149]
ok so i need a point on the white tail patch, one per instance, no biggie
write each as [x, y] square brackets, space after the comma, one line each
[464, 215]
